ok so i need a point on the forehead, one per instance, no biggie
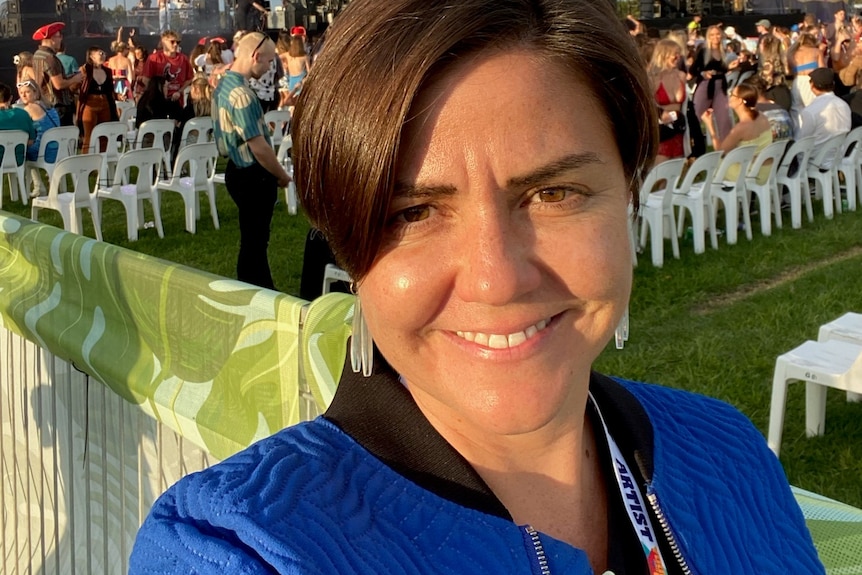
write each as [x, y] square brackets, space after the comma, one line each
[493, 106]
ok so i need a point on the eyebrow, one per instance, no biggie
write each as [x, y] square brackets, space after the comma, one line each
[554, 169]
[543, 173]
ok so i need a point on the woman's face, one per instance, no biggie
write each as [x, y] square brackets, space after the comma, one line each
[139, 54]
[507, 264]
[27, 94]
[97, 57]
[713, 38]
[673, 58]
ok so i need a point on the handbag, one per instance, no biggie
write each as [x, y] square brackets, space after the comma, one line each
[668, 131]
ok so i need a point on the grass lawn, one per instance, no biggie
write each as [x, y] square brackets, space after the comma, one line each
[712, 323]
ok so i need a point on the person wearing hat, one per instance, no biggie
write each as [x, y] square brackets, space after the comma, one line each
[763, 26]
[55, 86]
[827, 115]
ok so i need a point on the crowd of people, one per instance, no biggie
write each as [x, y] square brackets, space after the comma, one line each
[167, 83]
[712, 87]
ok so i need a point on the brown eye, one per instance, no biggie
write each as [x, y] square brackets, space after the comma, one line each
[415, 214]
[551, 195]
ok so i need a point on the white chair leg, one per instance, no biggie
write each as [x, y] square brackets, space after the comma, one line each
[776, 407]
[746, 217]
[826, 196]
[669, 224]
[697, 218]
[805, 192]
[815, 409]
[731, 221]
[657, 246]
[132, 219]
[765, 215]
[156, 201]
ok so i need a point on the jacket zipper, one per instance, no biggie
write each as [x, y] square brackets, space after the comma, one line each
[652, 497]
[539, 550]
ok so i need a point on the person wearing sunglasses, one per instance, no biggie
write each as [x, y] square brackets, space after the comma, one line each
[172, 65]
[14, 118]
[253, 174]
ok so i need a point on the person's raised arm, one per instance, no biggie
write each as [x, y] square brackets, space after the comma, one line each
[729, 142]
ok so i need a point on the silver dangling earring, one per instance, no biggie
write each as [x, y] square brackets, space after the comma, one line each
[621, 335]
[361, 344]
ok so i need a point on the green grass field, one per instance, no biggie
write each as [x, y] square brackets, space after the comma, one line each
[712, 323]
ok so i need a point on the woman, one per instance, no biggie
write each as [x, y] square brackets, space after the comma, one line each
[154, 103]
[772, 70]
[708, 72]
[24, 67]
[297, 63]
[668, 84]
[804, 57]
[122, 70]
[44, 118]
[492, 265]
[214, 64]
[138, 85]
[753, 128]
[96, 102]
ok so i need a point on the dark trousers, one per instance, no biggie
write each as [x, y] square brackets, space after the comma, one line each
[254, 190]
[66, 113]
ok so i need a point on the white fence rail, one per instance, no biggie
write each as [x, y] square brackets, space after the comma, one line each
[80, 467]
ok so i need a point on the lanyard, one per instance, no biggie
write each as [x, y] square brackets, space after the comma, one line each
[634, 503]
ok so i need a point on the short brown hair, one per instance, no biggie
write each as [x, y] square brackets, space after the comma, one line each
[379, 54]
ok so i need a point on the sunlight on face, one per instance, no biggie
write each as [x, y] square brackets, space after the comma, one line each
[507, 265]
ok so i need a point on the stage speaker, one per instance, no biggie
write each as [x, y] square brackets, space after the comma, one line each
[11, 26]
[37, 6]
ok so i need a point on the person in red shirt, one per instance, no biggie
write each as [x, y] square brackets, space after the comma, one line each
[172, 65]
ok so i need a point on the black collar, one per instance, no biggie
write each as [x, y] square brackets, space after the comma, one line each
[380, 414]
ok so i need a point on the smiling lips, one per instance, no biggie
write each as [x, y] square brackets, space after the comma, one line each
[497, 341]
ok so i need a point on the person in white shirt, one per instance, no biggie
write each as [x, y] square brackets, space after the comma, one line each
[826, 115]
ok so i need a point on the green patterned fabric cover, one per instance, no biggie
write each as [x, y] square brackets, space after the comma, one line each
[215, 359]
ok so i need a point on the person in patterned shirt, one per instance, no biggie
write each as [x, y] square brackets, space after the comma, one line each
[253, 174]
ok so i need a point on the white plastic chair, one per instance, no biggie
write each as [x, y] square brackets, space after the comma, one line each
[283, 156]
[822, 169]
[767, 191]
[110, 137]
[197, 130]
[131, 187]
[835, 364]
[126, 110]
[847, 328]
[848, 165]
[66, 140]
[10, 141]
[277, 122]
[200, 160]
[793, 175]
[161, 132]
[656, 210]
[695, 198]
[79, 169]
[732, 193]
[331, 274]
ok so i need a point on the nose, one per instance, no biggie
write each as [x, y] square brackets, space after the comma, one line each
[497, 252]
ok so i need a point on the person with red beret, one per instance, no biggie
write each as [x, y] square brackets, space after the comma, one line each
[55, 87]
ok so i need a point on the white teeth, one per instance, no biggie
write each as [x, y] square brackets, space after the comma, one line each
[517, 338]
[497, 341]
